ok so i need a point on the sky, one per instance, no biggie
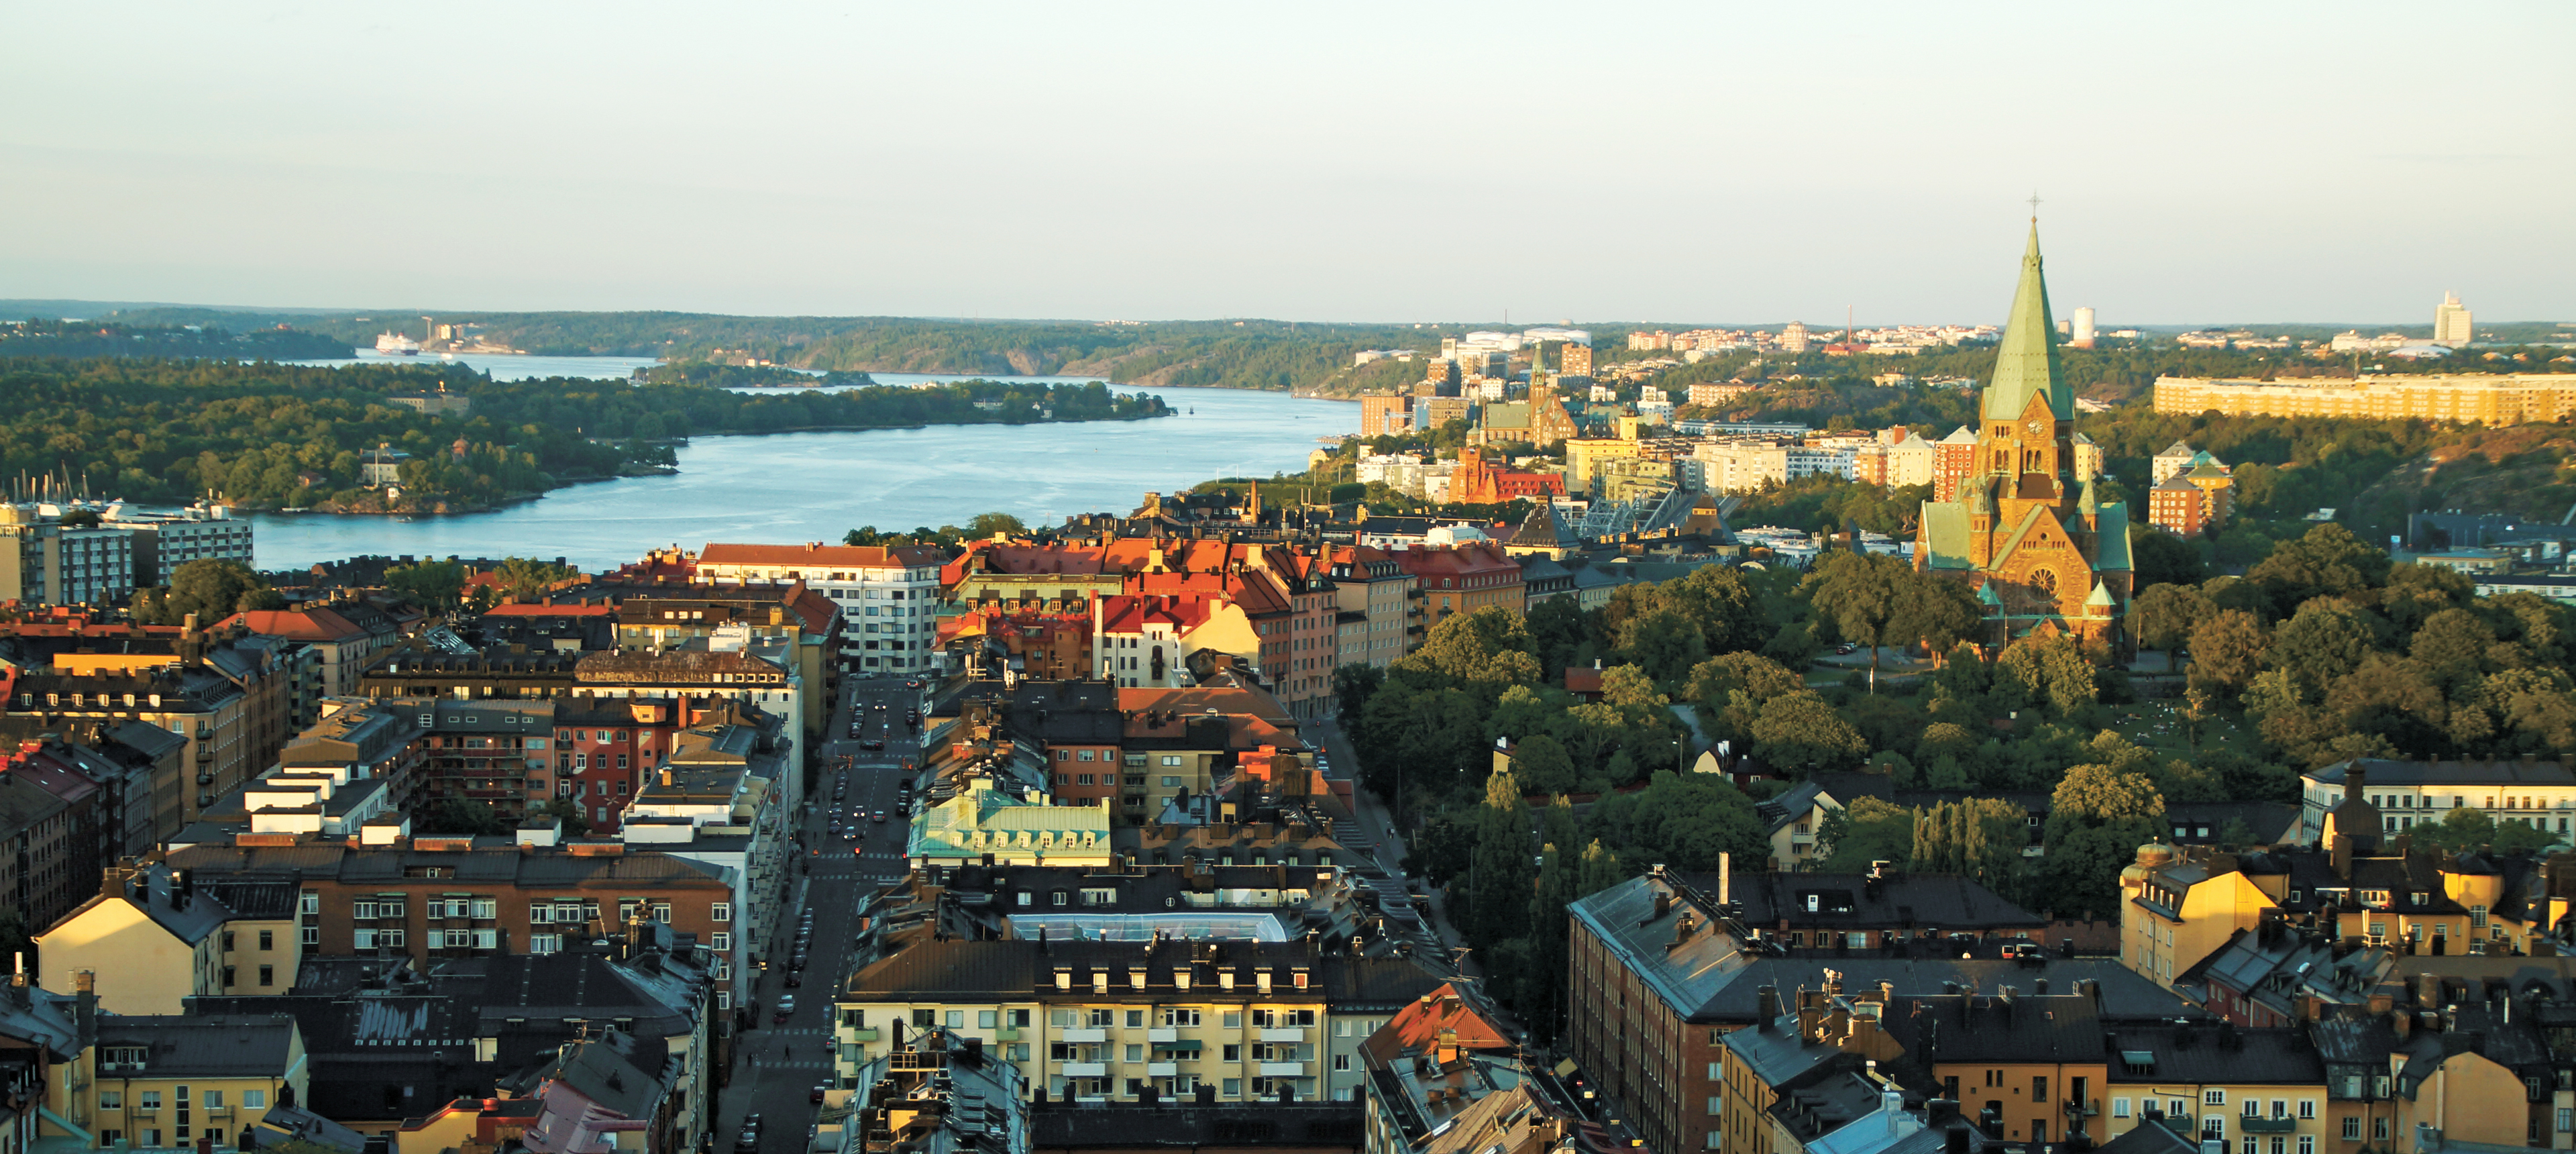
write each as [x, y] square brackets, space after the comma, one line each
[1698, 162]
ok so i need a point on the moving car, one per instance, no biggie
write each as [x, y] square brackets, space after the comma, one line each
[786, 1009]
[818, 1093]
[873, 743]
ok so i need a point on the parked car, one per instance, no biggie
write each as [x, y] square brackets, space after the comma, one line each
[786, 1009]
[818, 1093]
[795, 980]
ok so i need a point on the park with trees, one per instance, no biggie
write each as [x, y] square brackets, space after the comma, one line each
[2324, 649]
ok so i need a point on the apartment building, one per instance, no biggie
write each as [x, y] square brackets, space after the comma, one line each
[2179, 507]
[185, 1081]
[2498, 399]
[165, 937]
[165, 541]
[387, 893]
[347, 636]
[44, 561]
[212, 714]
[1375, 600]
[1100, 1021]
[1463, 578]
[2540, 794]
[1657, 980]
[887, 594]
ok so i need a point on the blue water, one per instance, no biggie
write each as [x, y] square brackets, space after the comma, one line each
[795, 487]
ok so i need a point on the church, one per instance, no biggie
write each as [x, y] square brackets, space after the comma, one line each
[2043, 553]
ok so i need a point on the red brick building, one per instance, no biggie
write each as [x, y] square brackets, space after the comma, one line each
[1477, 481]
[2179, 507]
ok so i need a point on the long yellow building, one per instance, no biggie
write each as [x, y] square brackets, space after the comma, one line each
[2501, 399]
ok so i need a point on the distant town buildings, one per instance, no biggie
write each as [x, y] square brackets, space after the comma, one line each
[2501, 399]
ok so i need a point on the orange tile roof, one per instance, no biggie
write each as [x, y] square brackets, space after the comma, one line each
[855, 556]
[296, 624]
[1419, 1024]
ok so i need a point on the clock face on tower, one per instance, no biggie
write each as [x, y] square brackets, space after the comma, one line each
[2038, 427]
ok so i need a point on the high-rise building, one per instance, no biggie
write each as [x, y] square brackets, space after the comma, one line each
[2497, 399]
[2451, 322]
[2082, 337]
[1794, 338]
[1576, 360]
[1381, 415]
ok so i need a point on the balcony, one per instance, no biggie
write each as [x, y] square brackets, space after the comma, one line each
[1085, 1069]
[205, 779]
[1007, 1033]
[1162, 1069]
[1281, 1069]
[2267, 1125]
[1163, 1034]
[1284, 1034]
[205, 753]
[1094, 1034]
[866, 1034]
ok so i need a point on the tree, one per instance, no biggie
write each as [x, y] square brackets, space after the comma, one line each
[1488, 649]
[1664, 642]
[1801, 733]
[1976, 837]
[2326, 562]
[1859, 594]
[2160, 558]
[1600, 870]
[567, 811]
[434, 584]
[2097, 819]
[1542, 765]
[209, 588]
[1353, 682]
[2469, 828]
[987, 525]
[1683, 821]
[526, 579]
[2227, 651]
[1869, 829]
[2325, 640]
[1502, 870]
[2166, 614]
[2053, 673]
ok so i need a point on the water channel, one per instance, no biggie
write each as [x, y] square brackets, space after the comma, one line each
[794, 487]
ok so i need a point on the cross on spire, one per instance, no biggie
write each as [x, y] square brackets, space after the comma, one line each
[2034, 206]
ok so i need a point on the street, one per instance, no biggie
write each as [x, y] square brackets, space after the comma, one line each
[777, 1065]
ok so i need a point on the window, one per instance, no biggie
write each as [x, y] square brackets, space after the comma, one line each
[2253, 1108]
[545, 943]
[1232, 1087]
[310, 935]
[148, 1100]
[2351, 1129]
[2213, 1097]
[720, 912]
[2039, 1088]
[2119, 1107]
[2307, 1144]
[1135, 1019]
[213, 1099]
[1231, 1053]
[254, 1099]
[110, 1100]
[2379, 1129]
[228, 975]
[956, 1019]
[1341, 1063]
[2307, 1107]
[267, 977]
[987, 1019]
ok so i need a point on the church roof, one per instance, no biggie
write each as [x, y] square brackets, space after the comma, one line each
[1540, 529]
[2101, 595]
[2029, 521]
[2026, 360]
[1960, 436]
[2111, 530]
[1945, 535]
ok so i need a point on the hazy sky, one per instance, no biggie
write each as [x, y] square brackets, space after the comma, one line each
[1385, 161]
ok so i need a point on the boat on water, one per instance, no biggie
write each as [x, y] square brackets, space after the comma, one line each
[397, 345]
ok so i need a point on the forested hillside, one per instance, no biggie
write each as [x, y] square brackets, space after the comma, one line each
[267, 435]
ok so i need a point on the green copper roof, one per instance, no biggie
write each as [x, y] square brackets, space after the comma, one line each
[2026, 362]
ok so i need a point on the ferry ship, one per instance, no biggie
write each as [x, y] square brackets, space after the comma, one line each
[397, 345]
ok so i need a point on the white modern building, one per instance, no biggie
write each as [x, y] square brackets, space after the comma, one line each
[889, 595]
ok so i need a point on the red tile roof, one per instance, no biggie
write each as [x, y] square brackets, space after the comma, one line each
[296, 624]
[571, 610]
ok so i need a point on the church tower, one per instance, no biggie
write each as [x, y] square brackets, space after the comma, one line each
[2043, 552]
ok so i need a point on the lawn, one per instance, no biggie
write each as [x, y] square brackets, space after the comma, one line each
[2158, 725]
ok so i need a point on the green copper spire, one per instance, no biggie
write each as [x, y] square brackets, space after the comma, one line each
[2026, 362]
